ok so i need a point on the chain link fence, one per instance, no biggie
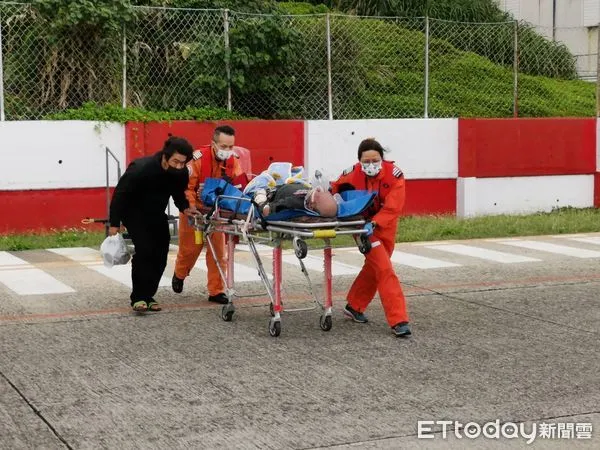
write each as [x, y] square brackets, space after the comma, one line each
[328, 66]
[173, 56]
[45, 72]
[279, 66]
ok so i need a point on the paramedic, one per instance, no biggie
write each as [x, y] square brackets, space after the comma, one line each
[139, 202]
[374, 174]
[216, 160]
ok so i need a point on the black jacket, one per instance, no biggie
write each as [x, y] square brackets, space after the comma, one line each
[144, 189]
[288, 196]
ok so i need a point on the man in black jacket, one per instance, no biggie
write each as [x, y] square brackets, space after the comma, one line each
[139, 202]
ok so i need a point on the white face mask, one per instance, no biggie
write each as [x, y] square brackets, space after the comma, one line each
[223, 155]
[371, 169]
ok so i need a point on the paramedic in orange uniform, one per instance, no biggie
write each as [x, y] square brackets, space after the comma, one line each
[216, 160]
[374, 174]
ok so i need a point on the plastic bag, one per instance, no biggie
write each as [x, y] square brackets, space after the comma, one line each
[114, 251]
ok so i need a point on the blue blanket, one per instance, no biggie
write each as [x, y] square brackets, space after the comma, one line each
[353, 202]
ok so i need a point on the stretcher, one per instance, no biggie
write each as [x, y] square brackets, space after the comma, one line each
[243, 223]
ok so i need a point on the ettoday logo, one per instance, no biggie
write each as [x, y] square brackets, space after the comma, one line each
[507, 430]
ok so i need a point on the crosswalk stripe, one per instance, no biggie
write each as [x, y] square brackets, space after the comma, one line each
[26, 279]
[242, 273]
[315, 263]
[482, 253]
[554, 248]
[259, 247]
[418, 261]
[587, 240]
[91, 258]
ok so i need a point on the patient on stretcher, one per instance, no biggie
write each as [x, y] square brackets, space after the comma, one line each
[283, 186]
[296, 196]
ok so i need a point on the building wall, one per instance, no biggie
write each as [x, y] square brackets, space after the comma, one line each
[54, 173]
[576, 26]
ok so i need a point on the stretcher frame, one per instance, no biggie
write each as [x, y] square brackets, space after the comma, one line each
[252, 229]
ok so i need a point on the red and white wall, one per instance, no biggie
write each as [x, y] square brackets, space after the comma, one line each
[53, 173]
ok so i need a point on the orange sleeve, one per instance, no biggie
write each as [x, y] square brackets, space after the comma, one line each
[191, 193]
[237, 168]
[335, 185]
[394, 203]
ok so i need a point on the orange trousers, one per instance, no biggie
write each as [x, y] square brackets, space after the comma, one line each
[377, 274]
[189, 251]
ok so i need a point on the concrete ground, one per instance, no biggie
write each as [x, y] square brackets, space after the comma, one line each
[513, 342]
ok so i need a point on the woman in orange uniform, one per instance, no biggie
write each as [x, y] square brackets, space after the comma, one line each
[374, 174]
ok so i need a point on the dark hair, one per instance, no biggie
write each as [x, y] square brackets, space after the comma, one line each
[177, 145]
[224, 129]
[370, 144]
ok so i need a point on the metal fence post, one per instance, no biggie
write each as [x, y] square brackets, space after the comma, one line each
[124, 99]
[227, 57]
[2, 117]
[598, 74]
[329, 84]
[516, 71]
[426, 111]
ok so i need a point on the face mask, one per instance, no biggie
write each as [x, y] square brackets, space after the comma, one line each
[223, 155]
[175, 171]
[371, 169]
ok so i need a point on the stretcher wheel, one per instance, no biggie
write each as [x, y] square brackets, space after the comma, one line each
[274, 328]
[364, 245]
[300, 248]
[227, 313]
[326, 323]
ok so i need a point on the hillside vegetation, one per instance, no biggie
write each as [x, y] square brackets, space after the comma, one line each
[63, 58]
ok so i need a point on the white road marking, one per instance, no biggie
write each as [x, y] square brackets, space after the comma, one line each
[554, 248]
[482, 253]
[317, 264]
[24, 279]
[91, 258]
[588, 240]
[420, 262]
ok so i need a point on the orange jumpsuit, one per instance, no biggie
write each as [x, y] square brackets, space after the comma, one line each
[203, 165]
[378, 273]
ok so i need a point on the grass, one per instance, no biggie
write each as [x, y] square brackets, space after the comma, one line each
[410, 229]
[72, 237]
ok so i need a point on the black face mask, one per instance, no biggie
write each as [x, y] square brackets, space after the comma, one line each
[175, 171]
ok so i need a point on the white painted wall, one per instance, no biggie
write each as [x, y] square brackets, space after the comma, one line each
[523, 195]
[58, 154]
[422, 148]
[569, 13]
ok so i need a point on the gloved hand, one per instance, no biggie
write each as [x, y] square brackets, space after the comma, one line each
[369, 228]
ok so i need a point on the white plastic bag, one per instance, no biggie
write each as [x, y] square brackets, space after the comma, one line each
[114, 251]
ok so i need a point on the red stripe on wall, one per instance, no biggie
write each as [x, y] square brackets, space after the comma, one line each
[597, 190]
[430, 197]
[135, 146]
[50, 209]
[268, 141]
[526, 147]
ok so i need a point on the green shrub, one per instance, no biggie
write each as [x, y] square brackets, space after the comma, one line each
[115, 113]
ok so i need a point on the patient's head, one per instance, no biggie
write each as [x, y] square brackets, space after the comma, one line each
[322, 202]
